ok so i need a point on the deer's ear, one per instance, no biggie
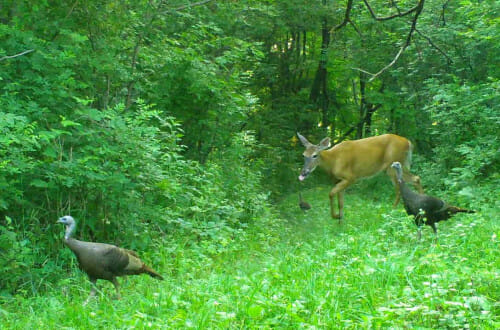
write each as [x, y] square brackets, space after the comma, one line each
[303, 140]
[325, 143]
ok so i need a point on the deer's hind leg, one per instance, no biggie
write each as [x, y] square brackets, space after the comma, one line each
[413, 179]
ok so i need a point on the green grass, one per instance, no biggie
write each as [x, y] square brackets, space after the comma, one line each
[302, 270]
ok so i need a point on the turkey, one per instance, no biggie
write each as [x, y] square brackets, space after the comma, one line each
[103, 261]
[426, 209]
[303, 204]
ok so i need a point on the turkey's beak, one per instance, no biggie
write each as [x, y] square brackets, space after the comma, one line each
[60, 220]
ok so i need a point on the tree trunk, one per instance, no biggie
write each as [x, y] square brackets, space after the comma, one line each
[362, 105]
[370, 110]
[319, 89]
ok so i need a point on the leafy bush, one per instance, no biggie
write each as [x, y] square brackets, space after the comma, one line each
[76, 138]
[17, 144]
[465, 130]
[214, 202]
[24, 265]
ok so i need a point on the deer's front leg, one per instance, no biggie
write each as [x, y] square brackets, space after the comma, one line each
[339, 191]
[340, 197]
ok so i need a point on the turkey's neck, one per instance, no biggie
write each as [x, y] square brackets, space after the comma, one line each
[399, 177]
[69, 231]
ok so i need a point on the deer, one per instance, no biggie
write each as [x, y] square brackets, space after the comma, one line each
[350, 161]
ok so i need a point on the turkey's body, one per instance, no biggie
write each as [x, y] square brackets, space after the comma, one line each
[104, 261]
[426, 209]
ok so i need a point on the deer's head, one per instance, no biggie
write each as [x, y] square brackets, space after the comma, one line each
[312, 155]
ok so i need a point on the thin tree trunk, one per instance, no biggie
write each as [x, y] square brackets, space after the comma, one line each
[319, 90]
[371, 108]
[362, 105]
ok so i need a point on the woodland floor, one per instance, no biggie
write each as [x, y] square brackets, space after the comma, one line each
[310, 272]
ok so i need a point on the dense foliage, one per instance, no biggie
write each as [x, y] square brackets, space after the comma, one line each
[164, 126]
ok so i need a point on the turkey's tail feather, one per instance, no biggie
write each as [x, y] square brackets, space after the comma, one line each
[456, 209]
[152, 273]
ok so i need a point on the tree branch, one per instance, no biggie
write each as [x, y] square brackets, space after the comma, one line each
[20, 54]
[353, 127]
[399, 14]
[364, 71]
[347, 18]
[149, 18]
[445, 5]
[429, 40]
[418, 11]
[356, 29]
[71, 10]
[200, 3]
[394, 60]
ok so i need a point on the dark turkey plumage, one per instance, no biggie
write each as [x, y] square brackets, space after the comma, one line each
[426, 209]
[104, 261]
[303, 204]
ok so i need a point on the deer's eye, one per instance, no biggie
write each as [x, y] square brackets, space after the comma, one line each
[315, 156]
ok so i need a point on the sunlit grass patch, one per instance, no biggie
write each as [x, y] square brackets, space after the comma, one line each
[302, 270]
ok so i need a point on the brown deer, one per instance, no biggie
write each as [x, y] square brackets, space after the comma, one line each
[349, 161]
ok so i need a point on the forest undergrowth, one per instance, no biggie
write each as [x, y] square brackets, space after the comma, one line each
[300, 270]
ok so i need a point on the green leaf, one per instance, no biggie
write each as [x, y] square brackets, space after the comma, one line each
[39, 183]
[68, 123]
